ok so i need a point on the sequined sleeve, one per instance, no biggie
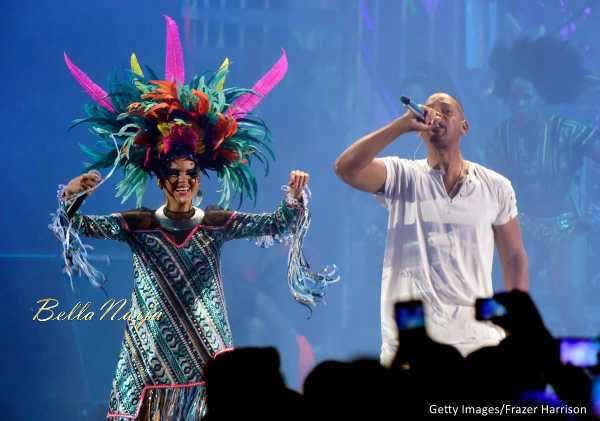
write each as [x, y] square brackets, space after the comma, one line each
[74, 251]
[288, 224]
[275, 224]
[108, 227]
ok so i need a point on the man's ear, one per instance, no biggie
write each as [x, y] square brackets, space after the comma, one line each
[464, 127]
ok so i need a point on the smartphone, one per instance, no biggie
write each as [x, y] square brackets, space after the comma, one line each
[409, 315]
[580, 352]
[488, 308]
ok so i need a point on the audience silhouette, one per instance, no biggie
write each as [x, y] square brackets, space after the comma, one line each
[522, 375]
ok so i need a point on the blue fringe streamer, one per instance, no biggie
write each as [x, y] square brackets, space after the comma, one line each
[306, 286]
[74, 252]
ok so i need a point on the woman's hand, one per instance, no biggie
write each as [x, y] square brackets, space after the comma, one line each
[83, 182]
[298, 180]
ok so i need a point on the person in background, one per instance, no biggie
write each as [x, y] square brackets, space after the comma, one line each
[543, 154]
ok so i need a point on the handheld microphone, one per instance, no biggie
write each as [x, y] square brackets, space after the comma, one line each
[415, 108]
[75, 205]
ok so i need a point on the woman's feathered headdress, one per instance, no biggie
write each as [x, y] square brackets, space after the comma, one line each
[151, 121]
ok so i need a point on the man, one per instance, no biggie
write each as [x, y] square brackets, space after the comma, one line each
[444, 216]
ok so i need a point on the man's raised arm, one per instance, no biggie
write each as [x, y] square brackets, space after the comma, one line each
[358, 165]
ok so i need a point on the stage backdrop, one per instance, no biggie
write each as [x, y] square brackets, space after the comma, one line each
[349, 61]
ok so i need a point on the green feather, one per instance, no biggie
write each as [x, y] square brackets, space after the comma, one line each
[218, 77]
[231, 94]
[140, 190]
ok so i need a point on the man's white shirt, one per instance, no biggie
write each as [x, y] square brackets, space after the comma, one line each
[440, 250]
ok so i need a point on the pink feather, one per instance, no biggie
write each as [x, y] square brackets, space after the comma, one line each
[174, 66]
[247, 102]
[95, 92]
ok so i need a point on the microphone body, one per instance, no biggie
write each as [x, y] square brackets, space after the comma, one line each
[417, 109]
[75, 205]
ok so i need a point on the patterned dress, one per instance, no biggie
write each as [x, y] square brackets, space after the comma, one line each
[161, 362]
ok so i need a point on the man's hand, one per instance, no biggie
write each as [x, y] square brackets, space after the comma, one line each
[411, 123]
[298, 180]
[83, 182]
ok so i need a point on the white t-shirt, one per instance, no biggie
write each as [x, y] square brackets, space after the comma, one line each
[440, 250]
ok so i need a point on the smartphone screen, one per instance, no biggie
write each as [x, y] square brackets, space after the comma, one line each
[409, 315]
[580, 352]
[488, 308]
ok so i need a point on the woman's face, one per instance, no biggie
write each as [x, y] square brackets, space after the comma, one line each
[181, 182]
[523, 98]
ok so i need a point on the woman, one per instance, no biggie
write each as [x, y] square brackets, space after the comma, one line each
[175, 131]
[177, 274]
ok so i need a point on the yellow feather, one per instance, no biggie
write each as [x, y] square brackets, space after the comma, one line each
[164, 128]
[224, 65]
[135, 66]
